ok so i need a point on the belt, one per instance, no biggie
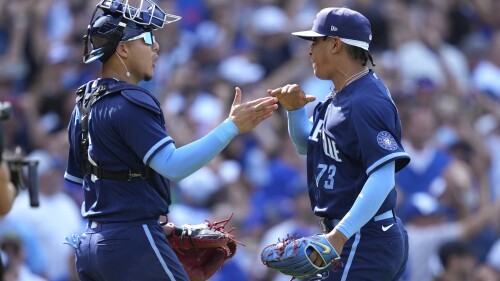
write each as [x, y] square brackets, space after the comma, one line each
[118, 175]
[94, 224]
[328, 225]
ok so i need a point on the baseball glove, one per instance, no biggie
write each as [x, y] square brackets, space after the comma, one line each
[203, 248]
[291, 256]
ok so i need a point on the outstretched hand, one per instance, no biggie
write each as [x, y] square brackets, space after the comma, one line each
[248, 115]
[291, 96]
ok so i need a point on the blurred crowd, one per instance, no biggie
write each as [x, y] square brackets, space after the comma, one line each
[439, 58]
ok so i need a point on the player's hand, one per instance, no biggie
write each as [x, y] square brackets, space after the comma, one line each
[337, 239]
[291, 96]
[316, 259]
[7, 190]
[248, 115]
[4, 172]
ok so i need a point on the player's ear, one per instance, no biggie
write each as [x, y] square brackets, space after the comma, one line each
[122, 50]
[336, 44]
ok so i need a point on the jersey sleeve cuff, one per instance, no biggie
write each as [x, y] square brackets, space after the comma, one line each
[387, 158]
[73, 179]
[345, 228]
[152, 152]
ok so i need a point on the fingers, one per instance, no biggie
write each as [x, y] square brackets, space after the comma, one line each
[237, 96]
[246, 116]
[264, 111]
[289, 88]
[274, 92]
[260, 112]
[316, 259]
[262, 102]
[310, 98]
[263, 117]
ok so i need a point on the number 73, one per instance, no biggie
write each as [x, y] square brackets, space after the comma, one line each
[330, 170]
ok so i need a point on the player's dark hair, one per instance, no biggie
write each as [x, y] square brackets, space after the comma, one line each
[360, 54]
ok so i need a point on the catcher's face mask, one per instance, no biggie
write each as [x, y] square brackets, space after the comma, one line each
[119, 21]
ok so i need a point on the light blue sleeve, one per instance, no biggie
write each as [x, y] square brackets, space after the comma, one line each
[299, 128]
[178, 163]
[369, 200]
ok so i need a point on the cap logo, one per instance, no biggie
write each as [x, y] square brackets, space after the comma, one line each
[333, 28]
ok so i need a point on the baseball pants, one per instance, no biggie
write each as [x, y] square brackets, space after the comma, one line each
[378, 252]
[135, 251]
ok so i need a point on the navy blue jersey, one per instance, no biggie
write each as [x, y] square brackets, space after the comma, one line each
[353, 134]
[126, 129]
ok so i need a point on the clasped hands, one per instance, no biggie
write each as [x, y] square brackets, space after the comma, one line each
[247, 116]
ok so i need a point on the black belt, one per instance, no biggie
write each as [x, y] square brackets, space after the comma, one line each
[328, 225]
[119, 175]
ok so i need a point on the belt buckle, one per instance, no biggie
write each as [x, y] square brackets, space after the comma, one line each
[323, 225]
[131, 175]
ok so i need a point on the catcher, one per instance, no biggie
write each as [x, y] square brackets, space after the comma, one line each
[121, 154]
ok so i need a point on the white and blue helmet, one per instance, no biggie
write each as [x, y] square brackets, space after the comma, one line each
[118, 22]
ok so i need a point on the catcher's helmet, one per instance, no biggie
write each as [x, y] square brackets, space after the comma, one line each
[118, 22]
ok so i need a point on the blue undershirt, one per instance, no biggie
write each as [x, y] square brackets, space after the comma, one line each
[369, 200]
[178, 163]
[299, 128]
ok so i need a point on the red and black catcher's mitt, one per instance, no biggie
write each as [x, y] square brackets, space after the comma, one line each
[203, 248]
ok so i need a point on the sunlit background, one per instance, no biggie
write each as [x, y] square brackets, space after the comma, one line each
[439, 58]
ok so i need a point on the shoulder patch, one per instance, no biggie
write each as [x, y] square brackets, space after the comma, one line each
[142, 99]
[386, 141]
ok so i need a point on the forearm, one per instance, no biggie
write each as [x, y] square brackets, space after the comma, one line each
[7, 191]
[7, 195]
[178, 163]
[299, 128]
[371, 197]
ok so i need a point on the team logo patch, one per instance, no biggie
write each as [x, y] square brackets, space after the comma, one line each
[386, 141]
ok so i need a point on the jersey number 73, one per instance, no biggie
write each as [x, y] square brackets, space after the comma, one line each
[330, 173]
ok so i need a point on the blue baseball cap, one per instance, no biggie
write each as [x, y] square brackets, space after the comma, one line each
[350, 26]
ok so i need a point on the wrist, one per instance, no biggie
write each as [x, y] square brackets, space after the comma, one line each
[337, 239]
[296, 111]
[230, 128]
[168, 228]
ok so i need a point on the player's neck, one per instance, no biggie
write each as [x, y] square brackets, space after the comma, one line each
[115, 70]
[348, 75]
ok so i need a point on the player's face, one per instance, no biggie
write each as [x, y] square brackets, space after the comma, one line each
[320, 58]
[144, 56]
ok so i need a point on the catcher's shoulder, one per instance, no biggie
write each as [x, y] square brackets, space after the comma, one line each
[139, 97]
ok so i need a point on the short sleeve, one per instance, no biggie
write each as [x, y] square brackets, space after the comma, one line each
[378, 130]
[73, 172]
[142, 129]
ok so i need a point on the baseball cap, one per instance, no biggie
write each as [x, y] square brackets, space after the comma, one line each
[350, 26]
